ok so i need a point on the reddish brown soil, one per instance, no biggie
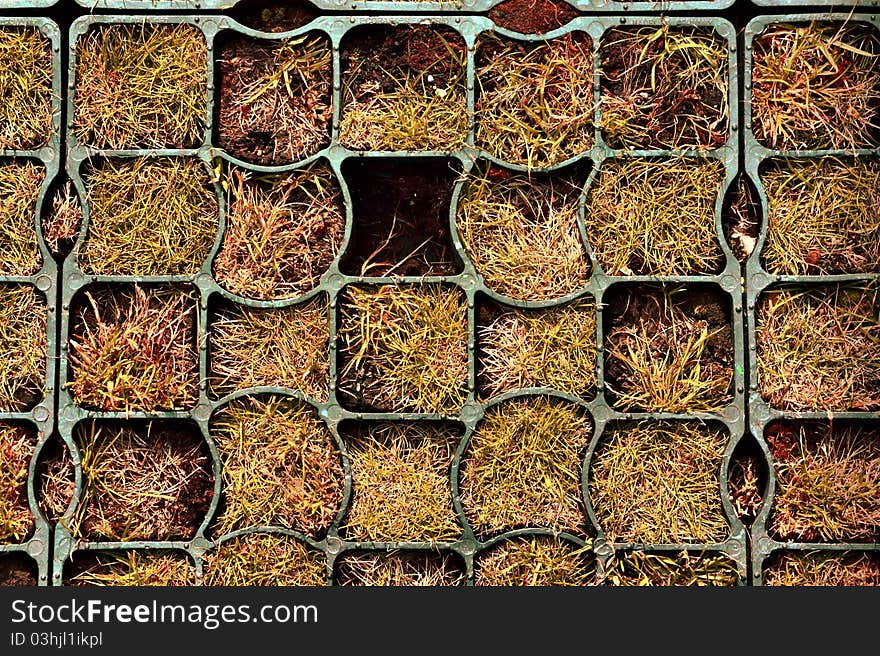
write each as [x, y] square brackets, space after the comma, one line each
[740, 217]
[17, 570]
[414, 196]
[532, 16]
[270, 16]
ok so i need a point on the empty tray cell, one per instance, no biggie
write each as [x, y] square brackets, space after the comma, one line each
[637, 568]
[62, 219]
[20, 184]
[403, 88]
[535, 561]
[55, 479]
[823, 568]
[279, 347]
[817, 348]
[281, 466]
[521, 468]
[535, 99]
[17, 444]
[547, 347]
[141, 86]
[17, 570]
[816, 85]
[142, 480]
[133, 348]
[399, 568]
[657, 482]
[521, 232]
[823, 216]
[532, 16]
[401, 217]
[655, 217]
[23, 343]
[130, 568]
[827, 481]
[404, 348]
[264, 559]
[664, 87]
[26, 67]
[275, 105]
[149, 217]
[282, 231]
[401, 488]
[668, 349]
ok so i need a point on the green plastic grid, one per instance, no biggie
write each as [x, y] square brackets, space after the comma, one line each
[469, 281]
[842, 4]
[758, 280]
[45, 281]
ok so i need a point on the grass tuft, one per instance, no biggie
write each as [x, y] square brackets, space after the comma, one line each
[655, 217]
[282, 232]
[264, 559]
[830, 568]
[281, 466]
[554, 347]
[20, 184]
[23, 343]
[823, 217]
[282, 347]
[535, 101]
[522, 467]
[412, 568]
[535, 561]
[57, 480]
[26, 66]
[522, 233]
[657, 482]
[128, 235]
[62, 224]
[817, 349]
[817, 85]
[641, 569]
[404, 348]
[401, 483]
[133, 568]
[141, 86]
[16, 449]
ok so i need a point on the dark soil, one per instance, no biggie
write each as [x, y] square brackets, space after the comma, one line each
[747, 479]
[270, 16]
[57, 481]
[17, 570]
[532, 16]
[401, 217]
[740, 217]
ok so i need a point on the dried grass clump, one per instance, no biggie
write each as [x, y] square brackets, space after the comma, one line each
[16, 449]
[669, 350]
[817, 85]
[404, 89]
[657, 482]
[20, 184]
[664, 87]
[264, 559]
[144, 481]
[746, 483]
[827, 482]
[280, 466]
[149, 217]
[522, 233]
[817, 349]
[23, 343]
[57, 480]
[823, 217]
[275, 99]
[522, 467]
[401, 483]
[62, 224]
[133, 568]
[535, 101]
[282, 232]
[404, 348]
[829, 568]
[535, 561]
[638, 568]
[141, 86]
[26, 67]
[740, 216]
[553, 347]
[134, 349]
[400, 568]
[282, 347]
[655, 217]
[17, 569]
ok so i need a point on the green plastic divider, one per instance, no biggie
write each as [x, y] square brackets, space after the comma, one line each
[758, 280]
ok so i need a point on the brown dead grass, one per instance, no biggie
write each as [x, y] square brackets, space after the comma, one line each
[23, 344]
[412, 568]
[132, 568]
[20, 184]
[535, 561]
[640, 569]
[16, 450]
[264, 559]
[829, 568]
[26, 68]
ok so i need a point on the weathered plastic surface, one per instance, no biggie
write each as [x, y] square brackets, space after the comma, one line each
[758, 280]
[42, 416]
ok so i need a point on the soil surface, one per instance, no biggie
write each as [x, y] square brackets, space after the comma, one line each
[740, 218]
[532, 16]
[269, 16]
[17, 570]
[401, 217]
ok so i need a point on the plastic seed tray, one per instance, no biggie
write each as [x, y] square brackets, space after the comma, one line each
[37, 418]
[762, 415]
